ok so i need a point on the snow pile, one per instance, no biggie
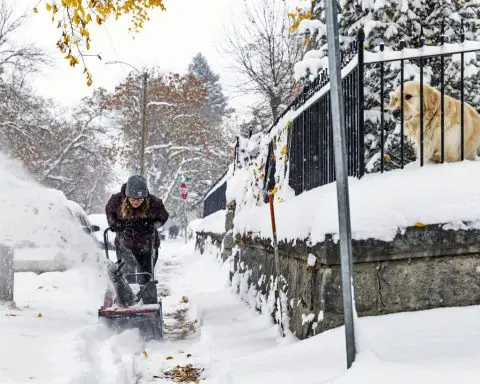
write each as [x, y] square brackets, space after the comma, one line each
[214, 223]
[313, 62]
[381, 204]
[44, 331]
[35, 217]
[247, 185]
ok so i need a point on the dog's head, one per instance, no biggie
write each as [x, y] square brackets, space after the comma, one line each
[412, 103]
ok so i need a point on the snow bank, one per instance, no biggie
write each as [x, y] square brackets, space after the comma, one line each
[214, 223]
[381, 204]
[37, 217]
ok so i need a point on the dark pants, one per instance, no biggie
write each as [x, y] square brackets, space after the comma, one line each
[136, 261]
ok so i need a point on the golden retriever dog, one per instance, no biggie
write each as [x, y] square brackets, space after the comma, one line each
[431, 123]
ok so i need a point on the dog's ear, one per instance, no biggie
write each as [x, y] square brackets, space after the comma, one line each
[391, 102]
[431, 102]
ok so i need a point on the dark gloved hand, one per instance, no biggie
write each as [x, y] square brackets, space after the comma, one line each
[145, 223]
[117, 227]
[140, 224]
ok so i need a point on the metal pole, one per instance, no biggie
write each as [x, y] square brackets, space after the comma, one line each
[185, 218]
[338, 124]
[278, 298]
[144, 123]
[6, 273]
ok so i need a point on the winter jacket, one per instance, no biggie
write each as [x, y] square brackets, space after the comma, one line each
[136, 238]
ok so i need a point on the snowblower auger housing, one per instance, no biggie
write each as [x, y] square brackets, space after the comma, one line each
[123, 309]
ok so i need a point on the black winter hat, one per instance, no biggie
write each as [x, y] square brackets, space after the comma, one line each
[136, 187]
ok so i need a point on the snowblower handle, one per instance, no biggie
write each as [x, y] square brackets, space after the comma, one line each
[105, 241]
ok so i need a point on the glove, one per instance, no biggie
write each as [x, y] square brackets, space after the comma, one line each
[146, 223]
[132, 224]
[117, 227]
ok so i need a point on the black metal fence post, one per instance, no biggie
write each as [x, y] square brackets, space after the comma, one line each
[235, 153]
[402, 130]
[462, 98]
[382, 118]
[361, 96]
[442, 96]
[422, 41]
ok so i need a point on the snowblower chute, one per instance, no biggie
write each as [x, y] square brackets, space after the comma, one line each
[124, 309]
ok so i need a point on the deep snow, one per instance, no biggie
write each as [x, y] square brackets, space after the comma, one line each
[380, 204]
[208, 326]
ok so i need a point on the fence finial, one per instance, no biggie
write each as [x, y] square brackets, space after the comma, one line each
[442, 32]
[422, 38]
[360, 38]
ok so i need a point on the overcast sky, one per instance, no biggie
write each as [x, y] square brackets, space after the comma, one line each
[169, 40]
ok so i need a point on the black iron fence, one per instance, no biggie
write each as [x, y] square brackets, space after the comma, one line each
[311, 150]
[430, 121]
[384, 141]
[215, 199]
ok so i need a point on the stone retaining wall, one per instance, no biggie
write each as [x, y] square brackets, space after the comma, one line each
[422, 268]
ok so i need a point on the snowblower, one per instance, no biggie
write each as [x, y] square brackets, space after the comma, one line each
[123, 308]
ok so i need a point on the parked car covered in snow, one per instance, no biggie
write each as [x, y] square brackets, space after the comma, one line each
[81, 217]
[38, 225]
[100, 219]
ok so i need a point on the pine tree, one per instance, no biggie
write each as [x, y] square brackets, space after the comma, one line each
[217, 101]
[412, 24]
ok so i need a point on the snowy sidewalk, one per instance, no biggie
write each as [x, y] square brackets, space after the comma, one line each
[54, 336]
[217, 327]
[236, 345]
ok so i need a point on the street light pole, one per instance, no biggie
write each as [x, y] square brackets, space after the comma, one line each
[144, 123]
[143, 112]
[338, 123]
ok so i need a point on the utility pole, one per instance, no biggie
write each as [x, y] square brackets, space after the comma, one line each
[144, 123]
[338, 125]
[143, 112]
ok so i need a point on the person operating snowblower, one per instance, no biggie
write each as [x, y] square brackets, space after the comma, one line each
[134, 214]
[131, 213]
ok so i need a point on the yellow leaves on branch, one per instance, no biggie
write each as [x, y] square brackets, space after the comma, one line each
[74, 17]
[297, 16]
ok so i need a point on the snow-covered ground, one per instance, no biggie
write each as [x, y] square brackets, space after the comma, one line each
[53, 335]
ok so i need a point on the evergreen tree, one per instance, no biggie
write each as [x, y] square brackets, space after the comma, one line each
[217, 101]
[392, 23]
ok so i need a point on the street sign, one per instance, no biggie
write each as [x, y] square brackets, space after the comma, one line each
[183, 178]
[184, 195]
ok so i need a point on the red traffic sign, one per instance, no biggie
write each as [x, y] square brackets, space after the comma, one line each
[183, 185]
[184, 195]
